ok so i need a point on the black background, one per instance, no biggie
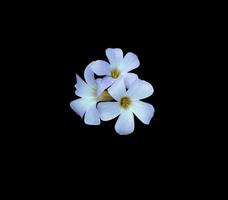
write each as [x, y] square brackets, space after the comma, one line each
[160, 46]
[48, 142]
[165, 48]
[167, 54]
[164, 147]
[54, 137]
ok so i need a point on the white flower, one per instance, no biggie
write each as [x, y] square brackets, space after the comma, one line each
[128, 102]
[124, 88]
[90, 95]
[119, 67]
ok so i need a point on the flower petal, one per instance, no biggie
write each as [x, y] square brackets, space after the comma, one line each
[82, 89]
[103, 84]
[89, 76]
[115, 56]
[129, 79]
[81, 105]
[79, 82]
[140, 89]
[125, 123]
[108, 110]
[117, 90]
[129, 62]
[101, 68]
[92, 115]
[144, 111]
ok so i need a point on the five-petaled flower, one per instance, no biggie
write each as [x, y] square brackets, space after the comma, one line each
[118, 67]
[127, 103]
[90, 94]
[122, 97]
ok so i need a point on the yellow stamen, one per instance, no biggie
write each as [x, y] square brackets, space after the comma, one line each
[125, 102]
[105, 96]
[115, 73]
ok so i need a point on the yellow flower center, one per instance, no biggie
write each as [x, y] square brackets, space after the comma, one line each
[115, 73]
[125, 102]
[105, 96]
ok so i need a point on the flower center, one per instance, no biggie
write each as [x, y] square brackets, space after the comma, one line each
[105, 96]
[115, 73]
[125, 102]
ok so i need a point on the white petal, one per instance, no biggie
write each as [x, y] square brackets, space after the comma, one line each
[79, 82]
[103, 84]
[80, 106]
[140, 89]
[144, 111]
[107, 81]
[82, 89]
[117, 90]
[98, 81]
[130, 78]
[92, 115]
[99, 86]
[101, 68]
[89, 76]
[108, 110]
[115, 56]
[129, 62]
[125, 123]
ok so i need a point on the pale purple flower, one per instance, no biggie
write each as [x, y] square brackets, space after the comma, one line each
[90, 93]
[118, 67]
[127, 103]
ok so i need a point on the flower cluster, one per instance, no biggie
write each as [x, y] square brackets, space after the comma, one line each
[116, 93]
